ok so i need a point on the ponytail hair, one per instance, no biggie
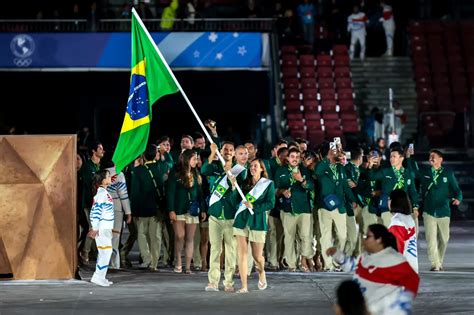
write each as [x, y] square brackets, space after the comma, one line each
[98, 179]
[381, 232]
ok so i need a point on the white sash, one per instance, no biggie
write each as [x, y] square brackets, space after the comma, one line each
[223, 185]
[255, 193]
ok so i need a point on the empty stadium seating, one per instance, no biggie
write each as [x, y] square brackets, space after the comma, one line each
[444, 73]
[318, 94]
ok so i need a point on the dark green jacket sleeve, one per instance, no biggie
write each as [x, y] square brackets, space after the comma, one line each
[376, 175]
[454, 187]
[171, 191]
[413, 193]
[212, 169]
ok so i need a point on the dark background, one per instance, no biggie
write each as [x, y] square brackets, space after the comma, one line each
[64, 102]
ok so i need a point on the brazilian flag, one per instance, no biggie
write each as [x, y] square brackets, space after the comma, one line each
[150, 80]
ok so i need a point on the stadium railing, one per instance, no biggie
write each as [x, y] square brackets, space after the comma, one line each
[123, 25]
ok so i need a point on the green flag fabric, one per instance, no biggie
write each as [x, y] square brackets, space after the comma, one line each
[150, 80]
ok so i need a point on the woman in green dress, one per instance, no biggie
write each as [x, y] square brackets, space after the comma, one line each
[260, 198]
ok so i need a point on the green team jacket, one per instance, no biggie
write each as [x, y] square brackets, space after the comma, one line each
[224, 209]
[329, 186]
[88, 170]
[143, 195]
[388, 180]
[365, 188]
[437, 196]
[300, 195]
[353, 173]
[273, 165]
[257, 221]
[178, 196]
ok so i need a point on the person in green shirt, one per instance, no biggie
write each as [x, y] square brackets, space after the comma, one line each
[164, 146]
[333, 192]
[275, 246]
[88, 169]
[276, 161]
[251, 227]
[184, 196]
[294, 186]
[354, 218]
[147, 198]
[439, 188]
[221, 219]
[391, 178]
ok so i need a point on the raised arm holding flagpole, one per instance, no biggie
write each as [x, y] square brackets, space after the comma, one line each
[151, 78]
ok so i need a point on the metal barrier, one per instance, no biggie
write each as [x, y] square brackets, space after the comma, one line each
[123, 25]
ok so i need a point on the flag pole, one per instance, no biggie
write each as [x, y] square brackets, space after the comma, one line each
[134, 12]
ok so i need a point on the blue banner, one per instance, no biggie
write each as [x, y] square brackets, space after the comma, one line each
[112, 50]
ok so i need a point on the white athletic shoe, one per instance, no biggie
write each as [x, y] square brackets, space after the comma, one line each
[101, 282]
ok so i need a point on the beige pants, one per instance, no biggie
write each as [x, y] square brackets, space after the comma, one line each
[303, 225]
[326, 220]
[316, 231]
[150, 232]
[367, 219]
[274, 241]
[437, 237]
[385, 219]
[352, 235]
[222, 230]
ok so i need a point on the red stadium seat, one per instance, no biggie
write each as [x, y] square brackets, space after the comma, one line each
[328, 106]
[312, 117]
[307, 61]
[326, 83]
[346, 105]
[345, 94]
[289, 72]
[343, 83]
[296, 124]
[289, 61]
[341, 61]
[342, 72]
[288, 50]
[309, 94]
[294, 116]
[315, 137]
[340, 50]
[325, 72]
[330, 118]
[293, 105]
[311, 106]
[307, 72]
[313, 125]
[327, 94]
[308, 83]
[292, 94]
[291, 83]
[324, 61]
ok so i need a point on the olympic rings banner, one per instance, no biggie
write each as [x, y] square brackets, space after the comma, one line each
[112, 50]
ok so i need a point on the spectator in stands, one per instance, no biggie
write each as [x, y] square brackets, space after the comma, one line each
[306, 12]
[388, 24]
[169, 15]
[76, 15]
[356, 23]
[251, 10]
[336, 19]
[190, 11]
[126, 13]
[93, 17]
[287, 27]
[144, 11]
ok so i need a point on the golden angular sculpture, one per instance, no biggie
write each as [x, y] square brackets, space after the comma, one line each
[38, 205]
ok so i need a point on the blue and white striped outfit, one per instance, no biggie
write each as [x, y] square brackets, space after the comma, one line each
[102, 219]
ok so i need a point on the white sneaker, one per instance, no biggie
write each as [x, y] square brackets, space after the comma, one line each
[109, 282]
[144, 265]
[101, 282]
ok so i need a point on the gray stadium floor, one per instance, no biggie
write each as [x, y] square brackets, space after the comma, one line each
[140, 292]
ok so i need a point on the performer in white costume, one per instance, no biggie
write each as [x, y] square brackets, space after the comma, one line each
[356, 26]
[388, 25]
[102, 222]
